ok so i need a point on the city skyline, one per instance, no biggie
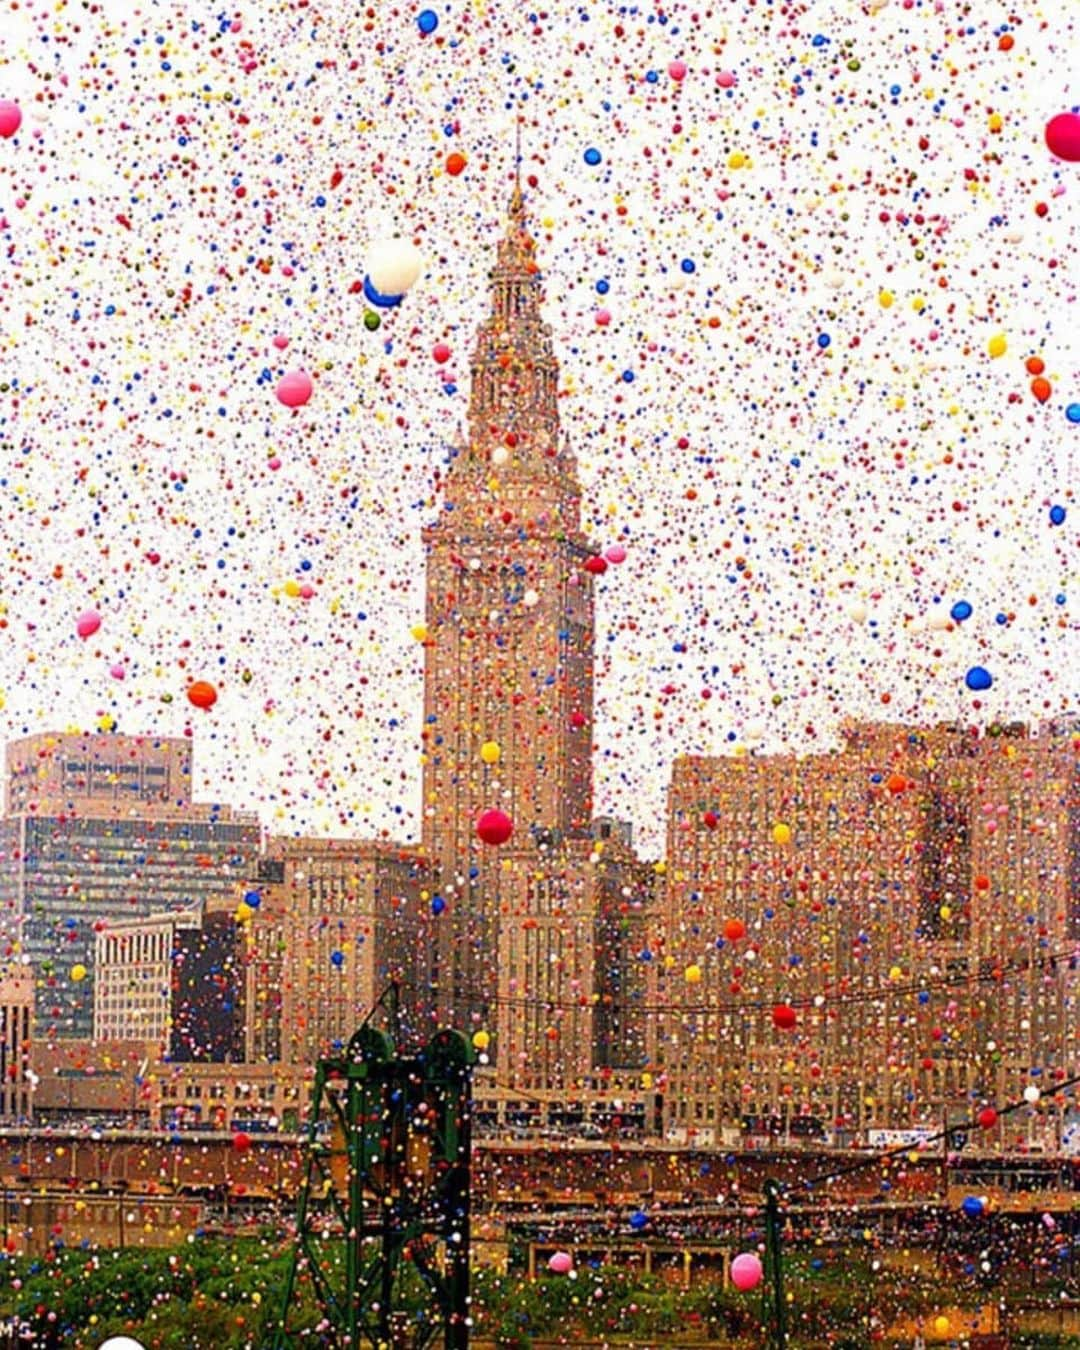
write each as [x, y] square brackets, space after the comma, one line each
[863, 505]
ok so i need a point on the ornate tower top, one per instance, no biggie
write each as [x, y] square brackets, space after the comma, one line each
[515, 454]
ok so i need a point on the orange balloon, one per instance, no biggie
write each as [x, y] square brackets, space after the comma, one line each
[1035, 365]
[1040, 387]
[896, 783]
[202, 694]
[455, 163]
[734, 929]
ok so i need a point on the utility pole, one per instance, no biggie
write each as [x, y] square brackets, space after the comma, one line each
[778, 1320]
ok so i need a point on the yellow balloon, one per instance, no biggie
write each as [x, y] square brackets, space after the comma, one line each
[481, 1040]
[490, 752]
[781, 833]
[996, 345]
[243, 912]
[419, 631]
[693, 974]
[292, 587]
[646, 1081]
[941, 1326]
[78, 973]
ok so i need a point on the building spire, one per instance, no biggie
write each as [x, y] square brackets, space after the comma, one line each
[517, 201]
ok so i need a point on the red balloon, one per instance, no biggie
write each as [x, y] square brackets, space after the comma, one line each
[241, 1141]
[596, 565]
[577, 719]
[784, 1017]
[734, 929]
[710, 820]
[1040, 387]
[1063, 136]
[455, 163]
[441, 353]
[494, 827]
[10, 117]
[294, 389]
[202, 694]
[988, 1117]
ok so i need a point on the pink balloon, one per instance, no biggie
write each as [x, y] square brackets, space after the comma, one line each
[494, 827]
[88, 622]
[603, 317]
[725, 79]
[1063, 136]
[117, 671]
[561, 1263]
[10, 117]
[281, 342]
[294, 389]
[615, 554]
[746, 1271]
[677, 70]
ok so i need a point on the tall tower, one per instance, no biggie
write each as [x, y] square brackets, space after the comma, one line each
[509, 661]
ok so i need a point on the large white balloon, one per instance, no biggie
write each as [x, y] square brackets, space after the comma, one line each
[121, 1343]
[393, 266]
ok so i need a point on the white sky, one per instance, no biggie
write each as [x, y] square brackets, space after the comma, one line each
[113, 386]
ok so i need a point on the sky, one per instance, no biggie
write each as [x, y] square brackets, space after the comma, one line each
[829, 238]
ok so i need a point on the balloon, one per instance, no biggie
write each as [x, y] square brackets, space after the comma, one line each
[746, 1271]
[241, 1141]
[393, 266]
[494, 827]
[615, 554]
[942, 1325]
[987, 1118]
[78, 973]
[294, 389]
[693, 974]
[427, 21]
[781, 833]
[202, 694]
[734, 929]
[639, 1220]
[490, 752]
[784, 1017]
[1040, 387]
[603, 318]
[337, 959]
[376, 297]
[88, 622]
[10, 118]
[481, 1040]
[978, 679]
[561, 1263]
[1031, 1094]
[455, 163]
[710, 820]
[281, 342]
[121, 1343]
[997, 344]
[1062, 136]
[440, 353]
[972, 1206]
[1057, 515]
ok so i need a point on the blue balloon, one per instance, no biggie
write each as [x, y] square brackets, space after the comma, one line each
[638, 1220]
[978, 679]
[253, 899]
[1072, 412]
[960, 611]
[1057, 515]
[375, 297]
[592, 156]
[337, 959]
[972, 1206]
[438, 904]
[427, 21]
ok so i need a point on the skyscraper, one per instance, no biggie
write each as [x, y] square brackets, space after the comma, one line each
[509, 669]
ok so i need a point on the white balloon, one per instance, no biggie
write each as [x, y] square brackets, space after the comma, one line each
[530, 598]
[938, 619]
[393, 266]
[500, 455]
[857, 612]
[1032, 1094]
[753, 732]
[121, 1343]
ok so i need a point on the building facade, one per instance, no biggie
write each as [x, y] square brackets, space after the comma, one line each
[881, 937]
[16, 1045]
[103, 828]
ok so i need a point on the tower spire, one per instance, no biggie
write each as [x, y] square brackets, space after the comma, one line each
[517, 201]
